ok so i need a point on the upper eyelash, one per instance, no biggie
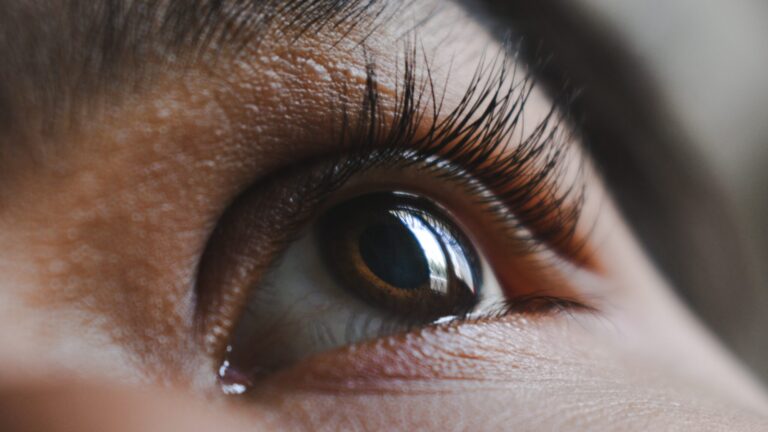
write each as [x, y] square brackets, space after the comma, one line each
[526, 178]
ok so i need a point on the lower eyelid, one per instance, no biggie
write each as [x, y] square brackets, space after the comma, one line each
[481, 350]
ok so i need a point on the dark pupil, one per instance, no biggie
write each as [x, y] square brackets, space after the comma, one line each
[394, 254]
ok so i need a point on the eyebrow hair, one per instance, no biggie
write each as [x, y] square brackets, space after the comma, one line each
[57, 51]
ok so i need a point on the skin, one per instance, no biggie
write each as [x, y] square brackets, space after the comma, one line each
[101, 233]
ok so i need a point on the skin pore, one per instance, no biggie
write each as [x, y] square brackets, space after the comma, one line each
[103, 224]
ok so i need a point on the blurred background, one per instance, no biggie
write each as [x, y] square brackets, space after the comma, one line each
[709, 59]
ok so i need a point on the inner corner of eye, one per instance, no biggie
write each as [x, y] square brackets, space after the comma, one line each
[368, 267]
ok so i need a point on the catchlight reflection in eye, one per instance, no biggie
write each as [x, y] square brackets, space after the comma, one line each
[399, 253]
[369, 267]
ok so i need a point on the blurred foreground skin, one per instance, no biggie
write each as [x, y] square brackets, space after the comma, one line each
[102, 224]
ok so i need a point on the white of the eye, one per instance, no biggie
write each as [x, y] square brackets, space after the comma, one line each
[305, 311]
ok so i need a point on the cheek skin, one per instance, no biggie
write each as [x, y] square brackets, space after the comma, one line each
[538, 374]
[542, 373]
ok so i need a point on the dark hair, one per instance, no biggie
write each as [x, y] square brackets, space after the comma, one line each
[664, 190]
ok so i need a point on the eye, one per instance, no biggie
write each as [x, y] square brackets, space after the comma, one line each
[411, 225]
[368, 267]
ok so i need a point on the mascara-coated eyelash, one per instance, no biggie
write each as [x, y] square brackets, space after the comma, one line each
[472, 143]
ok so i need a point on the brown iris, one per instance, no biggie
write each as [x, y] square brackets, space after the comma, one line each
[401, 253]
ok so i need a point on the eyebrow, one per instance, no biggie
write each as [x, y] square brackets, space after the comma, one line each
[54, 53]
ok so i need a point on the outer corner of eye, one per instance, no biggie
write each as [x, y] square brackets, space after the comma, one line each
[372, 266]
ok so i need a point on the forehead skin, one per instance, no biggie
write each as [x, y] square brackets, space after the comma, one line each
[115, 210]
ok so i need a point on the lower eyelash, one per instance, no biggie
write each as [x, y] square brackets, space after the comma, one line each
[543, 304]
[528, 305]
